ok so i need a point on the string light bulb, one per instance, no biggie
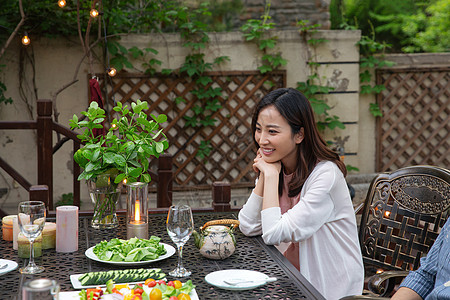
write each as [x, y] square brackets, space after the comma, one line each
[94, 13]
[26, 40]
[62, 3]
[112, 72]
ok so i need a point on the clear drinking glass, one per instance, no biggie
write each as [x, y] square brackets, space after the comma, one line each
[31, 219]
[179, 227]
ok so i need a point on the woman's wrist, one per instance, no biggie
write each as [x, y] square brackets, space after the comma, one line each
[271, 174]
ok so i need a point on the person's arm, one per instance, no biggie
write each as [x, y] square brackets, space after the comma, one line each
[259, 187]
[271, 199]
[307, 216]
[405, 293]
[250, 216]
[423, 280]
[267, 186]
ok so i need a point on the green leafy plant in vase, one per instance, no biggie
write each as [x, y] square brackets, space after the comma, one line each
[121, 155]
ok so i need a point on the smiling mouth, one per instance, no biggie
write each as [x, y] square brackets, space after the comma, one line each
[267, 151]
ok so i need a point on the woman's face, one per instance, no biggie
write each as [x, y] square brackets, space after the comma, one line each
[275, 139]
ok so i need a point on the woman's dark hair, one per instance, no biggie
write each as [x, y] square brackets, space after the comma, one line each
[297, 111]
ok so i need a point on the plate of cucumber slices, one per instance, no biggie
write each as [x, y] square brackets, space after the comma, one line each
[94, 279]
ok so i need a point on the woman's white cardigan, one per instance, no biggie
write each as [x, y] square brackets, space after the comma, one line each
[324, 224]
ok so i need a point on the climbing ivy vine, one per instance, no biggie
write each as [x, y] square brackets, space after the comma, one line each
[314, 88]
[257, 31]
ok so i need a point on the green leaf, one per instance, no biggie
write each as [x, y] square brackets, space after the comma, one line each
[159, 147]
[109, 157]
[146, 177]
[264, 69]
[135, 172]
[375, 110]
[365, 76]
[119, 160]
[161, 118]
[119, 178]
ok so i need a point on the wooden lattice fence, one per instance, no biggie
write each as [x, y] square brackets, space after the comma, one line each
[415, 125]
[232, 151]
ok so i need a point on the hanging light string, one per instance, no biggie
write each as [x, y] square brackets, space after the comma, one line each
[62, 3]
[109, 68]
[26, 39]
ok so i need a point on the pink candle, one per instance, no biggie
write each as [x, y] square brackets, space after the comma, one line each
[66, 228]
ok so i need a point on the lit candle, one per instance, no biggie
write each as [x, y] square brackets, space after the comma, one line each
[66, 228]
[137, 212]
[7, 227]
[137, 225]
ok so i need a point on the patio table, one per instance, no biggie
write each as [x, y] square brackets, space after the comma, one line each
[251, 254]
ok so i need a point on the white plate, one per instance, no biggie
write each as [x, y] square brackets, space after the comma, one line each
[73, 295]
[69, 295]
[217, 279]
[11, 265]
[170, 251]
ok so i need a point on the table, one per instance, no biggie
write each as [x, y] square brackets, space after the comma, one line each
[251, 253]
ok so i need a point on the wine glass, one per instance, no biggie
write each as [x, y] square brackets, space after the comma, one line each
[179, 228]
[31, 219]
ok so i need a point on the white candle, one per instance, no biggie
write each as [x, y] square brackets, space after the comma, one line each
[66, 228]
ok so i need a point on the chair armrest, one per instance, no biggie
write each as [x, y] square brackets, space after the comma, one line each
[377, 283]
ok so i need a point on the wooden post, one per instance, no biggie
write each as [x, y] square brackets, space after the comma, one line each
[164, 189]
[45, 147]
[221, 192]
[40, 193]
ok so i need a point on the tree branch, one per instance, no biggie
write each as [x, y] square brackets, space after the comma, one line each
[13, 34]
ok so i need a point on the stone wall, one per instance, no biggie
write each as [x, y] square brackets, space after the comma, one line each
[286, 13]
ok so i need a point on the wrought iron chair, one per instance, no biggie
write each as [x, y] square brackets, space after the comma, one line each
[403, 214]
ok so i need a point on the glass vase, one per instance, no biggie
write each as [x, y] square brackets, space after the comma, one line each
[105, 195]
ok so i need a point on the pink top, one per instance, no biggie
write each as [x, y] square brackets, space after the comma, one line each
[286, 203]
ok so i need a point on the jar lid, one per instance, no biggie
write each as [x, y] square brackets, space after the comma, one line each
[49, 228]
[8, 219]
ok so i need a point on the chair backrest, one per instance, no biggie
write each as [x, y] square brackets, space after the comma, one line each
[403, 214]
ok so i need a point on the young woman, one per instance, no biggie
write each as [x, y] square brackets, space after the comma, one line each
[301, 202]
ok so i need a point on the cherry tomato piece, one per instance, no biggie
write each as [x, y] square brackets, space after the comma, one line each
[170, 283]
[173, 298]
[156, 294]
[148, 280]
[162, 282]
[177, 284]
[138, 291]
[183, 296]
[151, 283]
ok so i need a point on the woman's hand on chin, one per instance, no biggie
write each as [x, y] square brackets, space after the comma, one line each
[266, 168]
